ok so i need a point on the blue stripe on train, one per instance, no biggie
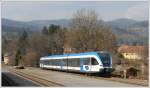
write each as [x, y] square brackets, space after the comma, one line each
[81, 65]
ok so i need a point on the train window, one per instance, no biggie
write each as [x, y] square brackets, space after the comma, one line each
[60, 62]
[105, 58]
[86, 61]
[78, 62]
[49, 62]
[52, 62]
[64, 62]
[69, 62]
[74, 62]
[45, 62]
[94, 61]
[57, 62]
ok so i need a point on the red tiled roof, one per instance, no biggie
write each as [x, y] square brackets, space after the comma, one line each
[131, 49]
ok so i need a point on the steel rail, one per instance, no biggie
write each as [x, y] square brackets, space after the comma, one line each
[39, 81]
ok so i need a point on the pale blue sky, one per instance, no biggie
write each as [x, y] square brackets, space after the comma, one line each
[110, 10]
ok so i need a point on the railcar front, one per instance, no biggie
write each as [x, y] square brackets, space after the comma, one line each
[106, 61]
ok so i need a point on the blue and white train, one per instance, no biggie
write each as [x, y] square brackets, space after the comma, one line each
[88, 62]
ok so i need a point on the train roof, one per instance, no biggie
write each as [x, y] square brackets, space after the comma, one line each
[73, 54]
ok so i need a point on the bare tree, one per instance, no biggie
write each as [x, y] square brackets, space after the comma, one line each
[87, 32]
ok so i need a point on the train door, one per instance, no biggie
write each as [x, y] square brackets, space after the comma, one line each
[94, 65]
[87, 64]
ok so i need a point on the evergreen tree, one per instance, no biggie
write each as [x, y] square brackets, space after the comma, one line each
[53, 29]
[22, 46]
[17, 57]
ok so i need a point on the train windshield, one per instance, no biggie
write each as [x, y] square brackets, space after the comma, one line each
[105, 58]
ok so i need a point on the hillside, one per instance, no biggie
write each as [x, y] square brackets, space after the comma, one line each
[126, 30]
[130, 31]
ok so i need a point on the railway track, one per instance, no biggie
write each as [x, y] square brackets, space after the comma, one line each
[37, 80]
